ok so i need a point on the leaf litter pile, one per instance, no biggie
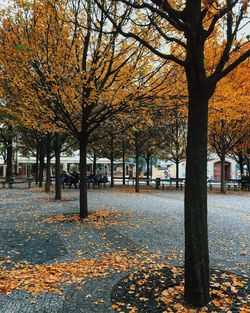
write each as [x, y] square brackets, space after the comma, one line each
[51, 277]
[162, 290]
[99, 218]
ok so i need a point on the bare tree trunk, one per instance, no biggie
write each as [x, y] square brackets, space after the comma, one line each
[112, 161]
[241, 163]
[223, 174]
[47, 184]
[148, 168]
[177, 174]
[9, 153]
[41, 166]
[83, 177]
[196, 234]
[94, 164]
[58, 186]
[37, 164]
[137, 161]
[123, 163]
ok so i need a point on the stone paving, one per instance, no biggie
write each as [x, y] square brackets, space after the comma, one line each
[155, 223]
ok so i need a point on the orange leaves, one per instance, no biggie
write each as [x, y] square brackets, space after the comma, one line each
[119, 305]
[49, 278]
[97, 219]
[245, 309]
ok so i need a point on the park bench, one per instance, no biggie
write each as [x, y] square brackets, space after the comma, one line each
[172, 181]
[233, 183]
[128, 180]
[245, 183]
[230, 184]
[99, 183]
[213, 183]
[159, 182]
[14, 180]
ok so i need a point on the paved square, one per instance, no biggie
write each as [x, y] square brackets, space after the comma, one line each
[34, 230]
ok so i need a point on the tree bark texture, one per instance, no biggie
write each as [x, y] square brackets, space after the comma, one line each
[148, 169]
[9, 154]
[112, 162]
[41, 166]
[48, 159]
[223, 174]
[241, 163]
[83, 177]
[137, 161]
[177, 174]
[196, 235]
[37, 165]
[123, 163]
[94, 164]
[58, 189]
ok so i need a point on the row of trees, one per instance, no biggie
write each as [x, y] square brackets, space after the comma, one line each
[88, 69]
[163, 136]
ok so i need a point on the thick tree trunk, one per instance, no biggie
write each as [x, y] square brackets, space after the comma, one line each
[112, 162]
[148, 168]
[137, 161]
[196, 235]
[47, 184]
[9, 155]
[123, 163]
[177, 173]
[58, 186]
[223, 174]
[41, 167]
[83, 177]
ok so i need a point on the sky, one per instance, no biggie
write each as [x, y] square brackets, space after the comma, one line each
[4, 3]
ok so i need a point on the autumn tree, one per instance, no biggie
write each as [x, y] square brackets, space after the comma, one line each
[186, 27]
[240, 153]
[6, 139]
[225, 136]
[72, 64]
[174, 134]
[24, 111]
[229, 117]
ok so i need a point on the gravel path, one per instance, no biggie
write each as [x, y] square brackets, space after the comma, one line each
[154, 222]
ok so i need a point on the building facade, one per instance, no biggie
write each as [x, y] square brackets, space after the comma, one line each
[26, 167]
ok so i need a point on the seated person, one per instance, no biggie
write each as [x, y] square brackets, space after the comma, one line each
[65, 178]
[74, 179]
[98, 178]
[105, 179]
[91, 178]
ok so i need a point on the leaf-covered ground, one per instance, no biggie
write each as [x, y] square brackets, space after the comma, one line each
[51, 261]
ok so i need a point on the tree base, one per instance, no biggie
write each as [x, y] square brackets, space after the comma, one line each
[163, 290]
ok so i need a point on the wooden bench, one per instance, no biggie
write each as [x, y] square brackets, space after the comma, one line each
[13, 181]
[159, 182]
[127, 180]
[232, 183]
[245, 184]
[171, 181]
[98, 184]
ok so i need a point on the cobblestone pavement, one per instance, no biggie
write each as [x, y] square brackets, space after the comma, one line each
[157, 219]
